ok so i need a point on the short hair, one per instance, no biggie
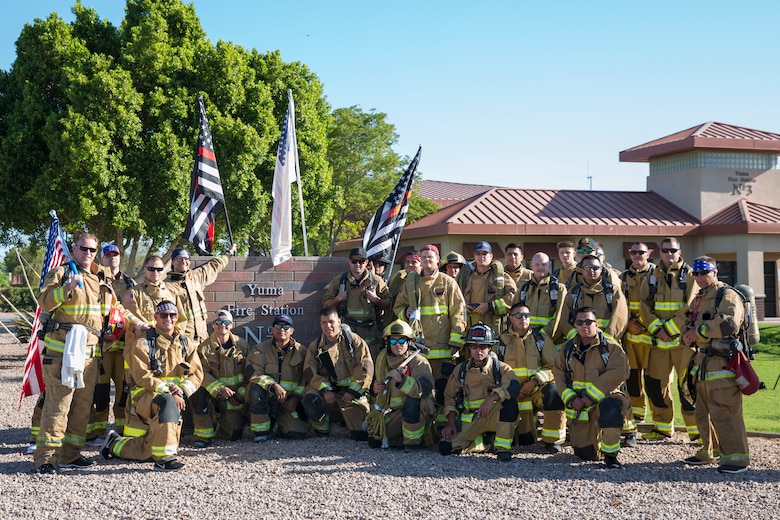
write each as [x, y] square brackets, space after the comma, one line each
[640, 244]
[583, 310]
[564, 243]
[80, 233]
[518, 305]
[512, 245]
[329, 311]
[671, 240]
[153, 257]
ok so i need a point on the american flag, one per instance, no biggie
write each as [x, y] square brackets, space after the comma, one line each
[32, 380]
[206, 197]
[385, 227]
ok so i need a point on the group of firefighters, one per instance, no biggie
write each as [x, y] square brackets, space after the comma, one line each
[474, 356]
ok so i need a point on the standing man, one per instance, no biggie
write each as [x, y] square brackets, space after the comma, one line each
[513, 255]
[589, 371]
[338, 370]
[378, 264]
[408, 278]
[360, 297]
[543, 294]
[275, 374]
[487, 291]
[716, 316]
[481, 397]
[452, 264]
[531, 354]
[441, 312]
[664, 296]
[223, 355]
[164, 370]
[112, 363]
[188, 286]
[637, 340]
[78, 303]
[567, 256]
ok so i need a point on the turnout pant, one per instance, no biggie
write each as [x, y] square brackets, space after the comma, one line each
[658, 386]
[267, 414]
[354, 412]
[501, 420]
[112, 369]
[719, 416]
[163, 418]
[639, 361]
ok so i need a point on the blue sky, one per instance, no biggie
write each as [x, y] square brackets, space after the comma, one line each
[521, 94]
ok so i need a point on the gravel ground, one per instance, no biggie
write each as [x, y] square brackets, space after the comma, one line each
[339, 478]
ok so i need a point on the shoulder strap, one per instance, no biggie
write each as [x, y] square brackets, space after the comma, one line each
[496, 369]
[609, 291]
[129, 282]
[603, 348]
[682, 276]
[552, 290]
[524, 292]
[538, 339]
[151, 338]
[575, 297]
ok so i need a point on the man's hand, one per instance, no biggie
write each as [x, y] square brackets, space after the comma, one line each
[291, 404]
[329, 397]
[528, 388]
[635, 327]
[663, 335]
[481, 308]
[448, 432]
[281, 393]
[487, 405]
[181, 404]
[347, 398]
[689, 337]
[226, 393]
[75, 281]
[395, 375]
[378, 387]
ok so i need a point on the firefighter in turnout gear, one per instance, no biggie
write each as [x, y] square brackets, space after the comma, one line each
[531, 353]
[408, 279]
[112, 362]
[543, 294]
[338, 370]
[441, 313]
[637, 340]
[403, 407]
[480, 397]
[589, 372]
[78, 303]
[715, 318]
[223, 356]
[567, 254]
[488, 293]
[360, 298]
[275, 375]
[513, 257]
[663, 296]
[164, 370]
[188, 285]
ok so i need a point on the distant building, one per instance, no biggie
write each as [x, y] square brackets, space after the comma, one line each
[715, 187]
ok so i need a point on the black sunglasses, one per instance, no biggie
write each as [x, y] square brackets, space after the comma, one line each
[358, 261]
[591, 267]
[584, 322]
[283, 326]
[700, 273]
[520, 315]
[222, 322]
[166, 315]
[85, 248]
[637, 252]
[669, 249]
[153, 269]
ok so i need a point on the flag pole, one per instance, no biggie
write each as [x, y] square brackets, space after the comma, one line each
[298, 178]
[389, 270]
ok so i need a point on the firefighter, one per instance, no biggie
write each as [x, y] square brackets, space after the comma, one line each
[480, 397]
[223, 356]
[378, 264]
[338, 370]
[487, 291]
[112, 362]
[589, 372]
[188, 285]
[567, 254]
[408, 277]
[543, 294]
[637, 340]
[360, 298]
[714, 322]
[275, 386]
[664, 295]
[403, 406]
[440, 311]
[452, 264]
[531, 353]
[164, 370]
[513, 256]
[78, 303]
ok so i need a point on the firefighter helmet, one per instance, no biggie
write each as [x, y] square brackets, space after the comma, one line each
[398, 328]
[480, 333]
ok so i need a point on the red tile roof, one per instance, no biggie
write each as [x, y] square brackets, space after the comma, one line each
[710, 135]
[510, 211]
[447, 193]
[743, 216]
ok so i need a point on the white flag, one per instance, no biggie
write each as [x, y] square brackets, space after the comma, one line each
[285, 174]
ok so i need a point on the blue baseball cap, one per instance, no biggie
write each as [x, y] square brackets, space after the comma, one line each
[110, 248]
[483, 246]
[283, 318]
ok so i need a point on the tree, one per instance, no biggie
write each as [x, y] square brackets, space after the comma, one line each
[101, 124]
[365, 169]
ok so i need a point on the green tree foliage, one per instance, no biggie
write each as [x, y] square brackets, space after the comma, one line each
[365, 170]
[100, 123]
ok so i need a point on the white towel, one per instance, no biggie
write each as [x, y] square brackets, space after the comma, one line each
[74, 355]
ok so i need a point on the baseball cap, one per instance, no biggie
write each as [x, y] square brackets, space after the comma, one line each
[283, 318]
[483, 246]
[110, 248]
[379, 258]
[431, 247]
[222, 314]
[357, 252]
[587, 242]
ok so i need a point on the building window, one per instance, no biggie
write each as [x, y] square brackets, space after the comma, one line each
[701, 159]
[727, 272]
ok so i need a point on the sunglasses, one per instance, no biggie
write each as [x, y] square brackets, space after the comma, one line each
[92, 250]
[700, 273]
[154, 269]
[397, 341]
[283, 326]
[358, 261]
[584, 322]
[166, 315]
[591, 267]
[521, 315]
[222, 322]
[669, 250]
[637, 252]
[477, 346]
[584, 251]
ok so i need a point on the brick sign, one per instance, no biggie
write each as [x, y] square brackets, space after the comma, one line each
[254, 291]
